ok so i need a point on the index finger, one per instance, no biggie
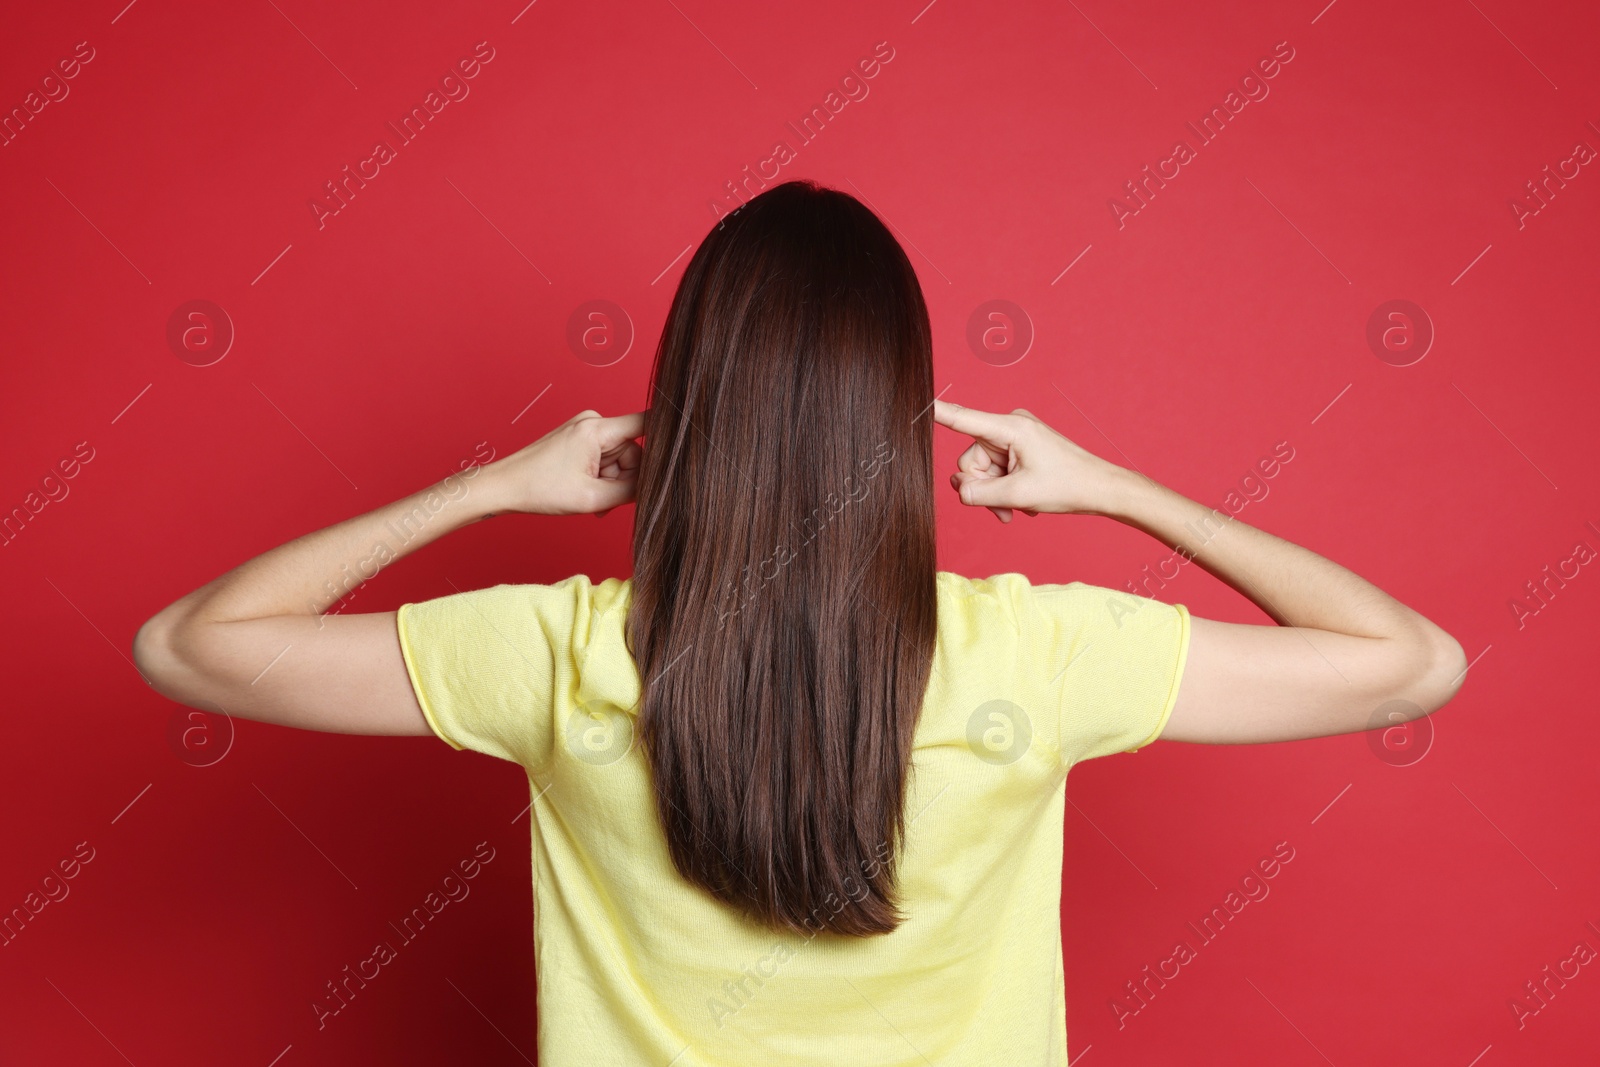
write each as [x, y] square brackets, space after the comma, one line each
[970, 421]
[619, 428]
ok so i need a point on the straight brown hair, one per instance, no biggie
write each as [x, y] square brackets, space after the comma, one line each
[784, 611]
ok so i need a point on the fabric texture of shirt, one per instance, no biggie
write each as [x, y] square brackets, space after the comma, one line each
[636, 966]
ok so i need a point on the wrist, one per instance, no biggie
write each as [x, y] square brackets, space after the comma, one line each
[1128, 494]
[476, 494]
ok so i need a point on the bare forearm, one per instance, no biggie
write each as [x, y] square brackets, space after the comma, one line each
[310, 574]
[214, 648]
[1292, 584]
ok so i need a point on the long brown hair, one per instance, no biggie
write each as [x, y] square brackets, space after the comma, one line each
[784, 611]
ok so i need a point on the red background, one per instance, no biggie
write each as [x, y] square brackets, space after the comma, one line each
[373, 354]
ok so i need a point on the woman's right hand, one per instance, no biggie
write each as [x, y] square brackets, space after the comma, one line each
[1016, 462]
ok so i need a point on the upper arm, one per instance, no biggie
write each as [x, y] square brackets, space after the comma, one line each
[487, 670]
[1113, 660]
[1246, 683]
[337, 673]
[494, 667]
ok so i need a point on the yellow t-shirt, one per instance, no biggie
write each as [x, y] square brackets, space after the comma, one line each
[638, 967]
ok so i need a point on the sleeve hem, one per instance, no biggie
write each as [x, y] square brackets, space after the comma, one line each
[416, 682]
[1177, 678]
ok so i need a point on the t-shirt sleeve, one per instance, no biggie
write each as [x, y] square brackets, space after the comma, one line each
[1114, 661]
[488, 666]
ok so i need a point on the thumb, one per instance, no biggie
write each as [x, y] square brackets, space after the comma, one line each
[986, 492]
[607, 493]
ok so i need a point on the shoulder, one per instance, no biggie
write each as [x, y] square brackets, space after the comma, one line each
[580, 589]
[958, 588]
[983, 608]
[1008, 589]
[573, 608]
[1027, 603]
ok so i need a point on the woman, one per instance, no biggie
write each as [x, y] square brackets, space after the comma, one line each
[798, 794]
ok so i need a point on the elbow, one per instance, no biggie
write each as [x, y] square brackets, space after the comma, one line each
[1442, 670]
[155, 653]
[148, 648]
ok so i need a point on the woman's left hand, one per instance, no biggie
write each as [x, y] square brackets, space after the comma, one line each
[586, 466]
